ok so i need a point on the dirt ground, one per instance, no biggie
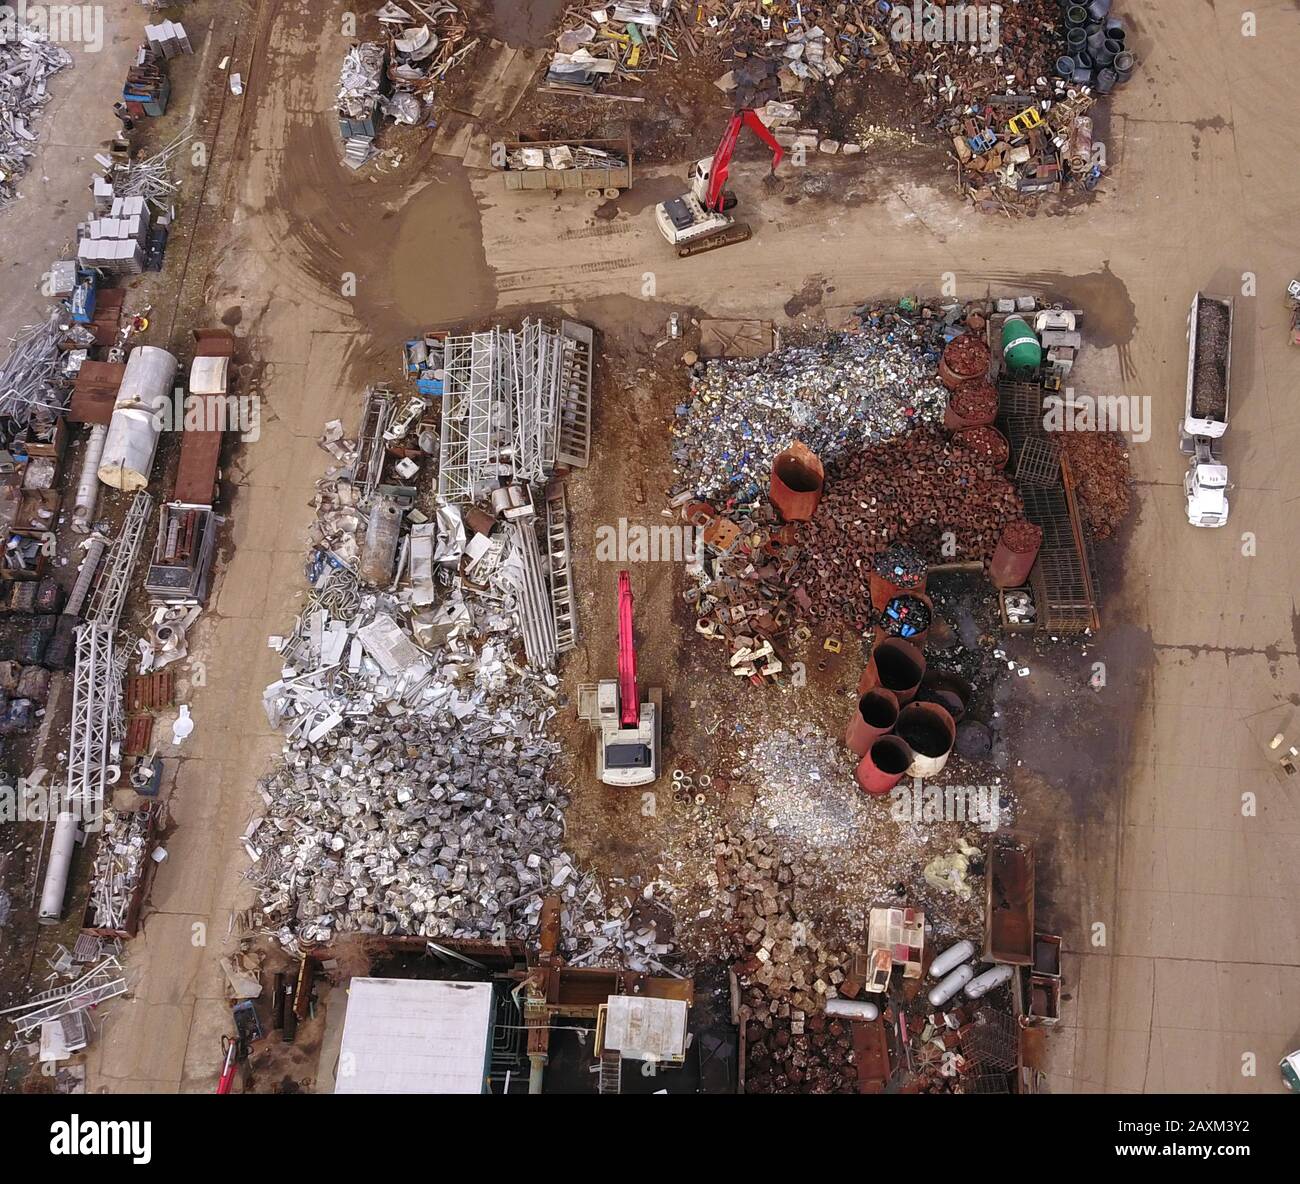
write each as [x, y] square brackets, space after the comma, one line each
[1200, 954]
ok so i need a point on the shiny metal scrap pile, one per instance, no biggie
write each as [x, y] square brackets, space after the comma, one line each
[27, 60]
[917, 489]
[837, 395]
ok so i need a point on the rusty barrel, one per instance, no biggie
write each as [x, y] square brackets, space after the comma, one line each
[796, 484]
[884, 765]
[874, 716]
[987, 443]
[1014, 556]
[964, 358]
[899, 568]
[896, 665]
[974, 405]
[909, 616]
[930, 732]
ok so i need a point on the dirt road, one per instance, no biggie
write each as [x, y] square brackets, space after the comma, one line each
[1199, 955]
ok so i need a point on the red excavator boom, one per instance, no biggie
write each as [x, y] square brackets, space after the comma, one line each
[727, 146]
[629, 695]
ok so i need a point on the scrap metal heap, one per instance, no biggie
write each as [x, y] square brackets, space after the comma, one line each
[414, 795]
[27, 61]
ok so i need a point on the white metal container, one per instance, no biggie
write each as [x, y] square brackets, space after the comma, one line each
[137, 419]
[852, 1009]
[981, 986]
[951, 958]
[940, 994]
[54, 889]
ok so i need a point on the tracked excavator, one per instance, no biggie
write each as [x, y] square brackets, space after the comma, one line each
[629, 740]
[699, 221]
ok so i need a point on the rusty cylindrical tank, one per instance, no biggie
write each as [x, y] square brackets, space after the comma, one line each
[896, 665]
[929, 731]
[987, 443]
[873, 717]
[908, 615]
[964, 358]
[1014, 556]
[973, 405]
[796, 483]
[884, 765]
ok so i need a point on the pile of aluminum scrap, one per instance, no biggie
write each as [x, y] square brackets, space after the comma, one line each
[361, 80]
[27, 60]
[562, 156]
[104, 981]
[121, 861]
[837, 394]
[424, 43]
[150, 177]
[32, 385]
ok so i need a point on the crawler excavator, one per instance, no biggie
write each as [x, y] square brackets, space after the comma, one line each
[698, 221]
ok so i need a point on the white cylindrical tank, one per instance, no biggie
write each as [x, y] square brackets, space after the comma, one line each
[88, 483]
[852, 1009]
[56, 875]
[988, 980]
[951, 958]
[940, 994]
[137, 419]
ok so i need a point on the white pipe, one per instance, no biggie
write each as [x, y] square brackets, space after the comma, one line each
[88, 482]
[56, 875]
[988, 980]
[940, 994]
[852, 1009]
[951, 958]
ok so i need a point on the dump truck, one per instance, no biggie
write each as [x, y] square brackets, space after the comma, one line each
[1205, 418]
[597, 168]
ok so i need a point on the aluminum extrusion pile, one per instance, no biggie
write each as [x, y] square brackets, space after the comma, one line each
[120, 863]
[27, 60]
[32, 386]
[836, 395]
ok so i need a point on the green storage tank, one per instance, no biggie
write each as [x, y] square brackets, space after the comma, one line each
[1020, 349]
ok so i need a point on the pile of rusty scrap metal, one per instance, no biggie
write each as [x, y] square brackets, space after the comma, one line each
[1100, 464]
[742, 593]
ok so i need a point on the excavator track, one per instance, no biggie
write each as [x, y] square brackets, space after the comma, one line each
[711, 242]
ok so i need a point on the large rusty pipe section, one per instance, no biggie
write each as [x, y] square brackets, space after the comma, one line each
[930, 732]
[798, 478]
[884, 765]
[1013, 557]
[908, 615]
[875, 716]
[896, 665]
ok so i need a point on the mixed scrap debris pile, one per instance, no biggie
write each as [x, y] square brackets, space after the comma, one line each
[942, 496]
[399, 76]
[414, 797]
[836, 395]
[27, 60]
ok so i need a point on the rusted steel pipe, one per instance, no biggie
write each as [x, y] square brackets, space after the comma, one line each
[798, 478]
[1013, 557]
[896, 665]
[875, 716]
[908, 610]
[950, 691]
[964, 358]
[884, 765]
[930, 732]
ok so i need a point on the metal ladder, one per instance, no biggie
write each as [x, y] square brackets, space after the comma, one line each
[573, 416]
[611, 1074]
[563, 606]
